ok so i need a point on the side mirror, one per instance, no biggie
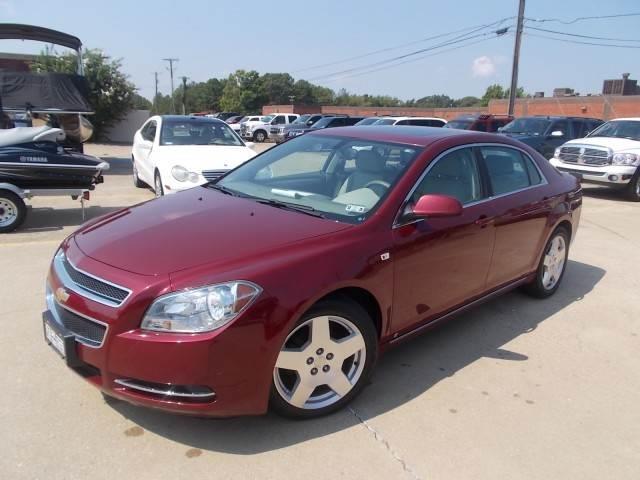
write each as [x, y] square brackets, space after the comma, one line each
[309, 122]
[436, 205]
[500, 129]
[557, 133]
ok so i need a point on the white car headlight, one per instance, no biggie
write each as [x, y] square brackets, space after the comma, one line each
[630, 159]
[181, 174]
[200, 310]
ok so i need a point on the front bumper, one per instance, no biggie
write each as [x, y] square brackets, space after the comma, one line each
[605, 174]
[222, 373]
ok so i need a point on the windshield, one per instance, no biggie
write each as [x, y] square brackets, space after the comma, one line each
[459, 124]
[198, 132]
[619, 129]
[339, 178]
[323, 122]
[528, 126]
[367, 121]
[301, 119]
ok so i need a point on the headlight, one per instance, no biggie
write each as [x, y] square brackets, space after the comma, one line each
[200, 310]
[626, 159]
[181, 174]
[556, 153]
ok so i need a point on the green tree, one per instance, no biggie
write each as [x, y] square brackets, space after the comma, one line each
[111, 94]
[278, 88]
[469, 101]
[434, 101]
[140, 102]
[496, 91]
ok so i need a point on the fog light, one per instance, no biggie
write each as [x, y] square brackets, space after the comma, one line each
[613, 178]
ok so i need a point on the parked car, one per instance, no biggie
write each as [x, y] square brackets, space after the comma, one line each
[235, 119]
[325, 122]
[416, 121]
[545, 133]
[610, 155]
[236, 127]
[480, 122]
[259, 131]
[367, 121]
[281, 283]
[175, 152]
[279, 133]
[224, 115]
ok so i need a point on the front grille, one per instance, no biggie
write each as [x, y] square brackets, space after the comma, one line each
[85, 330]
[100, 288]
[585, 155]
[211, 175]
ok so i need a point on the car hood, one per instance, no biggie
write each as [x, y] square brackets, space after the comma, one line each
[195, 227]
[616, 144]
[202, 157]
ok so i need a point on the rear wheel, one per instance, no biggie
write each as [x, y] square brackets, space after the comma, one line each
[157, 185]
[633, 189]
[259, 136]
[136, 179]
[325, 360]
[12, 211]
[552, 265]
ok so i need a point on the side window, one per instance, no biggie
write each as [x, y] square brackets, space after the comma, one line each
[435, 123]
[279, 120]
[455, 174]
[508, 170]
[405, 122]
[562, 126]
[292, 118]
[480, 126]
[149, 131]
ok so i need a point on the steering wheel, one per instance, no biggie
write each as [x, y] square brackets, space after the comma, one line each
[378, 187]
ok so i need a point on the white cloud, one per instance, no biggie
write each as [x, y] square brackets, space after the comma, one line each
[483, 67]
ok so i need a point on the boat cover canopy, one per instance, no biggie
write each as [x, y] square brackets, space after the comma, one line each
[17, 31]
[44, 92]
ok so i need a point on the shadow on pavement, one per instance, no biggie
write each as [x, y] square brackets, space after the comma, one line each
[53, 219]
[403, 374]
[605, 193]
[118, 166]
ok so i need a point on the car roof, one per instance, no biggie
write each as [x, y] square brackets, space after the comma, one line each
[560, 117]
[408, 135]
[633, 119]
[191, 118]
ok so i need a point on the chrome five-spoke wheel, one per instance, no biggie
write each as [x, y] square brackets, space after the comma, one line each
[554, 261]
[323, 359]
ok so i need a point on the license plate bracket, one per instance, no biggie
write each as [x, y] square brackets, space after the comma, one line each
[60, 339]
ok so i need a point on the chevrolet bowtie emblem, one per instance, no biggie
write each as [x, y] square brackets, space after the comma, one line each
[61, 295]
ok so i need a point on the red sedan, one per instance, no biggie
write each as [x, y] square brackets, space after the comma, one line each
[280, 284]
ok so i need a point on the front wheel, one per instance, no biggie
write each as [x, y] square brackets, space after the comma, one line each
[12, 211]
[157, 185]
[633, 189]
[552, 265]
[325, 360]
[260, 136]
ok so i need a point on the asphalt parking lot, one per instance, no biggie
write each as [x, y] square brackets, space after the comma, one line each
[517, 388]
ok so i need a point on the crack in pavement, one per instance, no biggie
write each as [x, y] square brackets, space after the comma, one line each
[379, 438]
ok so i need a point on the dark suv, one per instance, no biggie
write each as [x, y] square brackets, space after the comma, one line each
[480, 122]
[279, 132]
[326, 122]
[546, 133]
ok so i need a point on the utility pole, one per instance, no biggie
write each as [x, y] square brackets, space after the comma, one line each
[155, 98]
[516, 59]
[184, 95]
[171, 60]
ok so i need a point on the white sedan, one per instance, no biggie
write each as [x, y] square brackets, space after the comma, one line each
[173, 152]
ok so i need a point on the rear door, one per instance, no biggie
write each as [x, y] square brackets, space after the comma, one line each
[441, 263]
[519, 199]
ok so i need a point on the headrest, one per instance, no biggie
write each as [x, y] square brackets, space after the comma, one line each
[499, 164]
[370, 161]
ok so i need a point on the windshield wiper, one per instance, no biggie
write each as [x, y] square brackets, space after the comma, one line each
[223, 189]
[306, 209]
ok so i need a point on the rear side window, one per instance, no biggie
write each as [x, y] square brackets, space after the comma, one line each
[509, 170]
[149, 131]
[455, 174]
[292, 118]
[480, 126]
[562, 126]
[404, 122]
[336, 122]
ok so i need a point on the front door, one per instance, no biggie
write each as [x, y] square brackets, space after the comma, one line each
[440, 263]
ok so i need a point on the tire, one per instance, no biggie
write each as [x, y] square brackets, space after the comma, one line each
[259, 136]
[12, 211]
[552, 265]
[136, 179]
[633, 189]
[344, 373]
[157, 185]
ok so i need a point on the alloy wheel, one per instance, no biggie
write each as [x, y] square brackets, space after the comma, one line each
[554, 261]
[321, 361]
[158, 186]
[8, 212]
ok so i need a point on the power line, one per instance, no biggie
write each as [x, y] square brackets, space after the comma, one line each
[580, 19]
[566, 40]
[397, 47]
[584, 36]
[458, 39]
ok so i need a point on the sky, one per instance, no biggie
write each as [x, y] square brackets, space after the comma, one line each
[214, 38]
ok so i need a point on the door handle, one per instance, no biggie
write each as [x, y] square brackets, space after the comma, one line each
[483, 221]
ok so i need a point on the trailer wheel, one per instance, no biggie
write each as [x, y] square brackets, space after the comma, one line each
[12, 211]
